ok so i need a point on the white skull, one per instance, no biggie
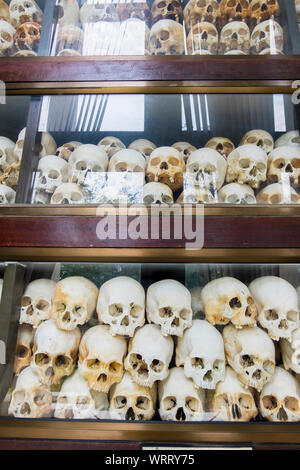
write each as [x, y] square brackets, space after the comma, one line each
[235, 193]
[7, 32]
[227, 299]
[69, 12]
[31, 398]
[144, 146]
[7, 195]
[86, 162]
[235, 36]
[7, 156]
[23, 351]
[223, 145]
[168, 304]
[76, 401]
[197, 11]
[101, 358]
[290, 352]
[111, 145]
[278, 193]
[279, 399]
[167, 38]
[179, 399]
[291, 138]
[36, 302]
[48, 145]
[235, 52]
[277, 303]
[54, 351]
[203, 37]
[251, 353]
[206, 168]
[260, 138]
[267, 35]
[98, 11]
[232, 401]
[247, 164]
[69, 40]
[127, 160]
[121, 304]
[74, 302]
[201, 352]
[284, 166]
[66, 149]
[23, 11]
[196, 195]
[41, 198]
[68, 193]
[132, 402]
[185, 149]
[147, 363]
[166, 165]
[53, 172]
[157, 193]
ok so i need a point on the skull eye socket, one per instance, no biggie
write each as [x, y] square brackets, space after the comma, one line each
[75, 197]
[121, 166]
[142, 403]
[26, 301]
[197, 362]
[138, 169]
[217, 364]
[42, 305]
[41, 359]
[245, 401]
[148, 199]
[185, 314]
[270, 402]
[78, 310]
[62, 362]
[222, 400]
[244, 163]
[292, 316]
[295, 162]
[235, 303]
[135, 311]
[227, 33]
[164, 35]
[155, 161]
[279, 164]
[22, 351]
[53, 174]
[157, 365]
[60, 307]
[242, 32]
[271, 315]
[161, 5]
[192, 403]
[291, 403]
[169, 403]
[93, 363]
[268, 367]
[120, 401]
[247, 361]
[40, 398]
[231, 3]
[115, 310]
[165, 312]
[115, 367]
[81, 166]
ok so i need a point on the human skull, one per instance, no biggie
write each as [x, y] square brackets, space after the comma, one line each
[27, 36]
[279, 399]
[69, 37]
[36, 302]
[227, 299]
[98, 11]
[168, 304]
[234, 10]
[167, 38]
[185, 149]
[201, 352]
[251, 354]
[157, 193]
[206, 168]
[260, 138]
[284, 166]
[53, 172]
[23, 351]
[232, 401]
[54, 352]
[247, 164]
[235, 36]
[86, 161]
[74, 302]
[101, 358]
[31, 398]
[7, 156]
[76, 401]
[277, 303]
[166, 10]
[179, 399]
[7, 32]
[144, 146]
[222, 145]
[147, 363]
[66, 149]
[139, 10]
[291, 138]
[127, 160]
[166, 165]
[40, 197]
[23, 11]
[262, 10]
[197, 11]
[48, 145]
[111, 145]
[235, 193]
[196, 195]
[203, 36]
[67, 193]
[278, 193]
[68, 12]
[4, 11]
[7, 195]
[266, 35]
[10, 177]
[132, 402]
[290, 352]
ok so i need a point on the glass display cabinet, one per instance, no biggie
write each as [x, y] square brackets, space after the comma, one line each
[149, 201]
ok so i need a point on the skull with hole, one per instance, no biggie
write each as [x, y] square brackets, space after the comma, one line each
[247, 164]
[203, 37]
[157, 193]
[279, 399]
[197, 304]
[121, 304]
[7, 32]
[201, 352]
[139, 10]
[68, 12]
[144, 146]
[235, 36]
[206, 168]
[234, 10]
[7, 156]
[235, 193]
[167, 38]
[132, 402]
[27, 36]
[101, 358]
[278, 193]
[277, 303]
[69, 37]
[168, 304]
[166, 10]
[262, 10]
[76, 401]
[23, 351]
[166, 166]
[290, 352]
[195, 195]
[284, 166]
[66, 149]
[111, 145]
[53, 171]
[7, 195]
[223, 145]
[31, 397]
[266, 35]
[179, 399]
[251, 354]
[54, 352]
[23, 11]
[197, 11]
[185, 149]
[260, 138]
[227, 299]
[291, 138]
[4, 11]
[86, 162]
[98, 11]
[36, 302]
[68, 193]
[145, 363]
[74, 302]
[48, 145]
[232, 401]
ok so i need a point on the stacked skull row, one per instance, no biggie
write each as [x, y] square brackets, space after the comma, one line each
[20, 28]
[187, 364]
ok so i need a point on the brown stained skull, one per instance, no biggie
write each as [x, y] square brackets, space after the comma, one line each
[137, 10]
[262, 10]
[166, 10]
[234, 10]
[28, 36]
[221, 144]
[203, 37]
[197, 11]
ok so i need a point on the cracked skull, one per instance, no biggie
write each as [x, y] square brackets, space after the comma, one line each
[36, 302]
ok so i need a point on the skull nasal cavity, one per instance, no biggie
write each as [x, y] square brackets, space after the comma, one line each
[204, 35]
[180, 415]
[164, 166]
[130, 415]
[289, 168]
[264, 7]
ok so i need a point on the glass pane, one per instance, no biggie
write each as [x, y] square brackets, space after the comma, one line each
[175, 342]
